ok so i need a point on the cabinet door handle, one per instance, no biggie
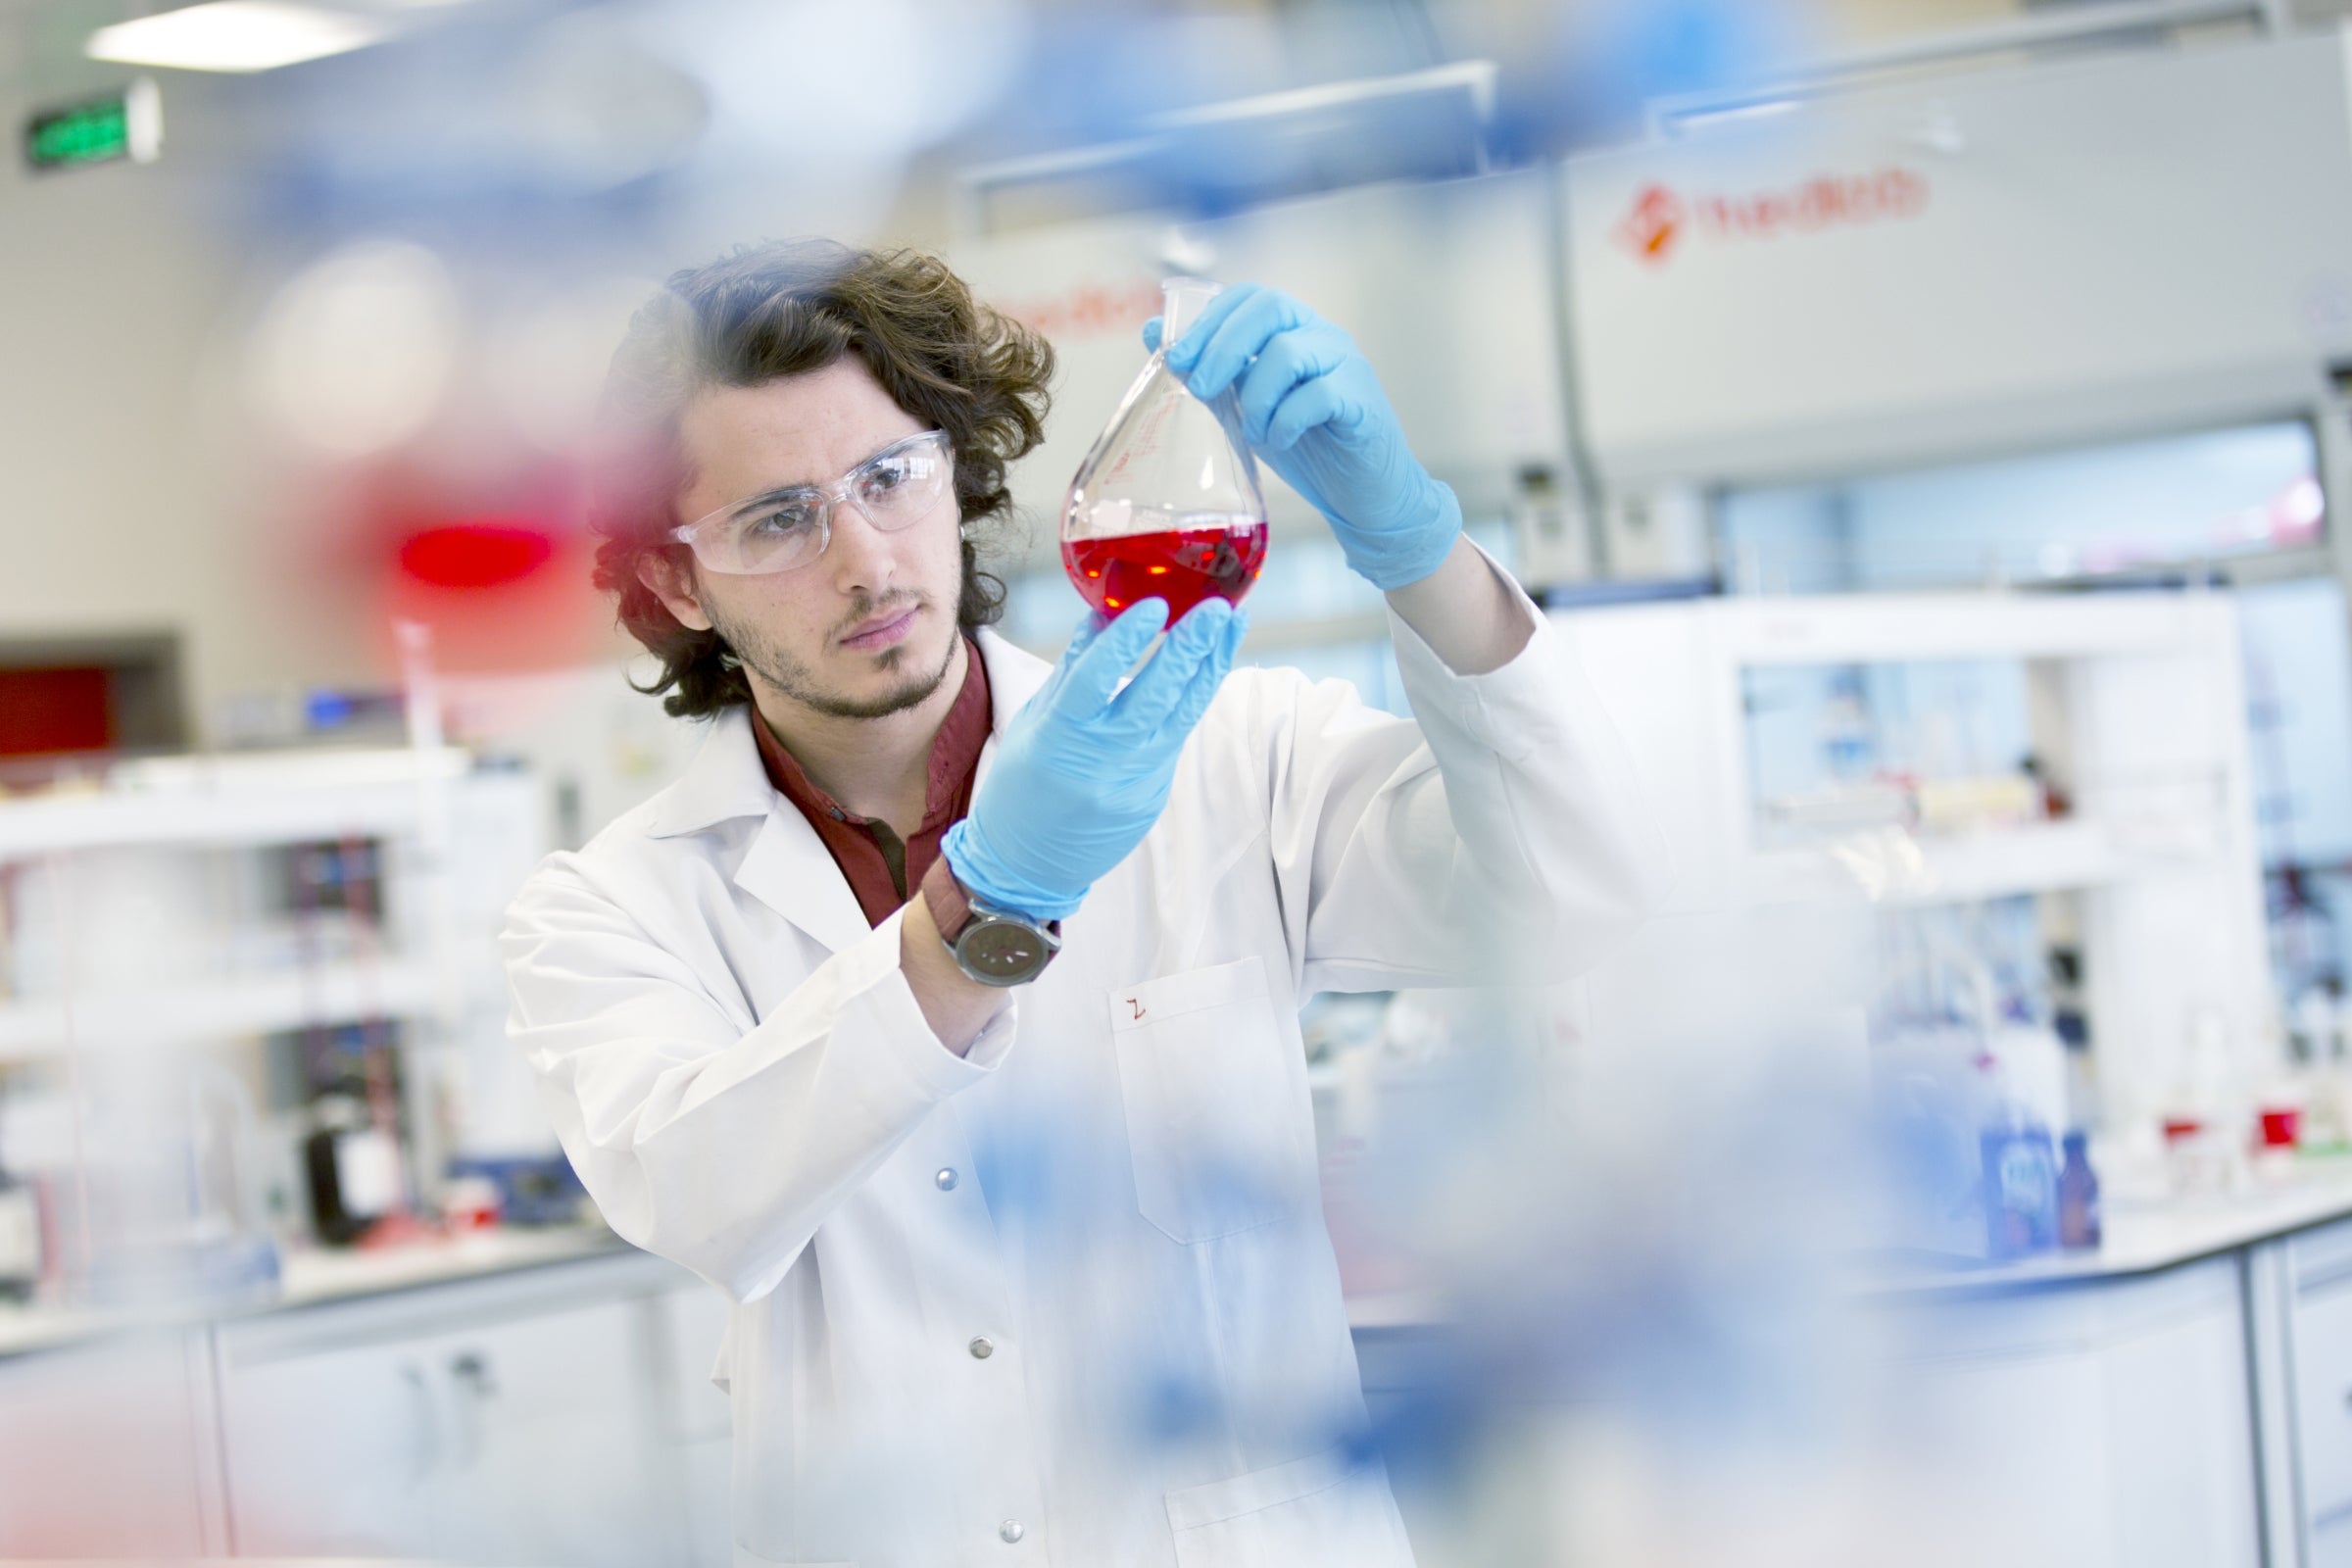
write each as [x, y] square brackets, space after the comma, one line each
[471, 1371]
[470, 1377]
[428, 1422]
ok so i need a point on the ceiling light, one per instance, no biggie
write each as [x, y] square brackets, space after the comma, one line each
[234, 36]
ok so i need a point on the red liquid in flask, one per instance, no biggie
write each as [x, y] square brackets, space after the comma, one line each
[1181, 566]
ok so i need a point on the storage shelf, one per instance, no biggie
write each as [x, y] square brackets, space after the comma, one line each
[1906, 628]
[237, 801]
[347, 991]
[1906, 871]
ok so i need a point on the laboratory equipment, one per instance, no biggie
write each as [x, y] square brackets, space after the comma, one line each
[168, 1206]
[19, 1237]
[1167, 503]
[353, 1170]
[2020, 1184]
[2077, 1196]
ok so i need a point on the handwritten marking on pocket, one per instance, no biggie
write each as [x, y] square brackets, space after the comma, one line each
[1137, 1004]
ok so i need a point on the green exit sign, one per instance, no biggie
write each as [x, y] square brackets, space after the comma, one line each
[128, 126]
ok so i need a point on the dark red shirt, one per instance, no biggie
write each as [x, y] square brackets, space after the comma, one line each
[879, 866]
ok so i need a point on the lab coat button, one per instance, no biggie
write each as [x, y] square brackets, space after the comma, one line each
[945, 1181]
[982, 1349]
[1011, 1530]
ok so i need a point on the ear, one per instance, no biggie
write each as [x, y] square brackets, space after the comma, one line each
[673, 583]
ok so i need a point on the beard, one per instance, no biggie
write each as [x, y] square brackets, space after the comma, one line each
[791, 678]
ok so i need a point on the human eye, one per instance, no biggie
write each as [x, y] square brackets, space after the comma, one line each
[771, 520]
[888, 473]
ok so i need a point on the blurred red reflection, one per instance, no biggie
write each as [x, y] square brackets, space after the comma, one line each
[485, 547]
[475, 555]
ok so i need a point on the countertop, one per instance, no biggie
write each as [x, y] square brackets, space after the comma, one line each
[311, 1278]
[2139, 1239]
[2144, 1238]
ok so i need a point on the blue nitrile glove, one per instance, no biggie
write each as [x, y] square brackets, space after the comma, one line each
[1312, 409]
[1084, 768]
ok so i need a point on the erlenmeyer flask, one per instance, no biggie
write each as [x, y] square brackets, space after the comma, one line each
[1166, 504]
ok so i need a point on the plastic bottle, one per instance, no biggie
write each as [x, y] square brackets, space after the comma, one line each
[2021, 1176]
[2078, 1197]
[1166, 504]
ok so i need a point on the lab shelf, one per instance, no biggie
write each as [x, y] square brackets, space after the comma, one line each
[1908, 870]
[33, 1028]
[203, 802]
[1901, 628]
[2132, 706]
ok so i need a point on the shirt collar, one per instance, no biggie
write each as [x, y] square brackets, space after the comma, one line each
[954, 753]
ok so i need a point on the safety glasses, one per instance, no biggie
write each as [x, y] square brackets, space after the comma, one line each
[779, 529]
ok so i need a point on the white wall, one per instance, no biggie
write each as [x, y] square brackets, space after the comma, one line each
[127, 502]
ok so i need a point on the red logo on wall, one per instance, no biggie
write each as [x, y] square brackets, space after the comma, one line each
[1648, 231]
[1652, 225]
[1659, 220]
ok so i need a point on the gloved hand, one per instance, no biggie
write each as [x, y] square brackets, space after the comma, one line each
[1311, 408]
[1081, 774]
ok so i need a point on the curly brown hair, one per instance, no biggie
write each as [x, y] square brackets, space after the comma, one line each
[765, 312]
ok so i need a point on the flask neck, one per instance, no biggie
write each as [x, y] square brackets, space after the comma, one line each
[1181, 302]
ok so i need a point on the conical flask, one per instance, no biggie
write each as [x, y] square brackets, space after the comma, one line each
[1166, 504]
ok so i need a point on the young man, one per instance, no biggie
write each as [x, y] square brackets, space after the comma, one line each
[944, 1015]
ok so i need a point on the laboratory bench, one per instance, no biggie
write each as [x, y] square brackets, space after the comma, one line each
[2182, 1394]
[524, 1396]
[2146, 1238]
[314, 1277]
[2178, 1397]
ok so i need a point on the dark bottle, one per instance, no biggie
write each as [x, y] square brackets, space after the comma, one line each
[20, 1238]
[2078, 1197]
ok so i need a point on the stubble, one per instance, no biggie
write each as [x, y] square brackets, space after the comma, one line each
[791, 678]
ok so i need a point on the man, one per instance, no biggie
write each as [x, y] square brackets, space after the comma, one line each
[944, 1015]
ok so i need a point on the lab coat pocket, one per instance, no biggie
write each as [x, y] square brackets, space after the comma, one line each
[1325, 1508]
[1211, 1124]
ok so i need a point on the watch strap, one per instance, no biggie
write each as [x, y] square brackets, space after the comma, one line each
[949, 905]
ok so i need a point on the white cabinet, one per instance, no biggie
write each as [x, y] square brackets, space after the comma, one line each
[2323, 1399]
[2096, 1426]
[98, 1451]
[2332, 1541]
[2318, 1366]
[471, 1423]
[336, 1452]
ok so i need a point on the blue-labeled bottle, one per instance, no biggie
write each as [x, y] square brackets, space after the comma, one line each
[2078, 1197]
[2021, 1188]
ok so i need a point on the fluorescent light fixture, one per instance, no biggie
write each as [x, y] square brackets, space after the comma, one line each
[234, 36]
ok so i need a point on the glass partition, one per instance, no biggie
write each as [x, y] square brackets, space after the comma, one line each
[2050, 516]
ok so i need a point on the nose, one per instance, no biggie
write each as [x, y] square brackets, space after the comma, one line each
[858, 555]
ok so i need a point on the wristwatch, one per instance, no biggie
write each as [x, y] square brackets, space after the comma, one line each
[995, 947]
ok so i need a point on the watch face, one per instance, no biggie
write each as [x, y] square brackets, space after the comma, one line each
[1001, 950]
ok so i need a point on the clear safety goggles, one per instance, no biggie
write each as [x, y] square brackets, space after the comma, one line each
[779, 529]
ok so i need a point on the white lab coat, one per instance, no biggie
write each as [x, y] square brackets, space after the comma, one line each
[1115, 1189]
